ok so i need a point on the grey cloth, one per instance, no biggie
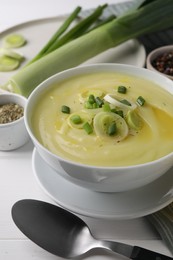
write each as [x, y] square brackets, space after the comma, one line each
[163, 222]
[150, 41]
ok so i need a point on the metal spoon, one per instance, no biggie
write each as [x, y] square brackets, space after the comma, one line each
[66, 235]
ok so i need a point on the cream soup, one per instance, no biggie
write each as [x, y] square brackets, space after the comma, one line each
[110, 132]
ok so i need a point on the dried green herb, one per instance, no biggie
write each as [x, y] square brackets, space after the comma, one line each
[10, 112]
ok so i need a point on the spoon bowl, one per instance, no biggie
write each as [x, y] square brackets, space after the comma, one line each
[62, 233]
[63, 230]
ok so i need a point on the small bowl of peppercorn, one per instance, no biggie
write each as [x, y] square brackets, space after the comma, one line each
[161, 60]
[13, 133]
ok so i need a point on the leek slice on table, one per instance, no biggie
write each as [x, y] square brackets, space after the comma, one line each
[8, 63]
[12, 54]
[14, 41]
[104, 120]
[9, 59]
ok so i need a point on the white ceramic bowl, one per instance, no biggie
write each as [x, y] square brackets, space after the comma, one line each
[156, 53]
[14, 134]
[103, 179]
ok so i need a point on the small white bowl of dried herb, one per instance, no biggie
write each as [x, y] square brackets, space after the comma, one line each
[13, 133]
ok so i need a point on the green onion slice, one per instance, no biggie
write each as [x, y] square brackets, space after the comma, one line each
[76, 119]
[91, 99]
[80, 117]
[88, 128]
[122, 89]
[112, 129]
[140, 101]
[102, 124]
[99, 101]
[117, 101]
[65, 109]
[126, 102]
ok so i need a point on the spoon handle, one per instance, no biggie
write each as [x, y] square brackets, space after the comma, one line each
[140, 253]
[132, 252]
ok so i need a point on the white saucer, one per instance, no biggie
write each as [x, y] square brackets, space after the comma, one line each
[123, 205]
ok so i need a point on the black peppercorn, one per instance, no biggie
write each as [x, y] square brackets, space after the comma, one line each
[164, 63]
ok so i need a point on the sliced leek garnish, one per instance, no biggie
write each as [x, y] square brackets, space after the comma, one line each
[103, 120]
[116, 101]
[134, 120]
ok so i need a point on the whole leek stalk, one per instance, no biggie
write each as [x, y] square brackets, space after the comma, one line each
[78, 30]
[59, 38]
[57, 34]
[147, 19]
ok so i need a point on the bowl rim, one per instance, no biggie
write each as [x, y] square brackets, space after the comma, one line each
[45, 83]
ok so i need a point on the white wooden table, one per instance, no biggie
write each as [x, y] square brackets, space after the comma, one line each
[16, 176]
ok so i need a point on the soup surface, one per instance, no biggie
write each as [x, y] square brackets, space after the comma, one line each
[105, 119]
